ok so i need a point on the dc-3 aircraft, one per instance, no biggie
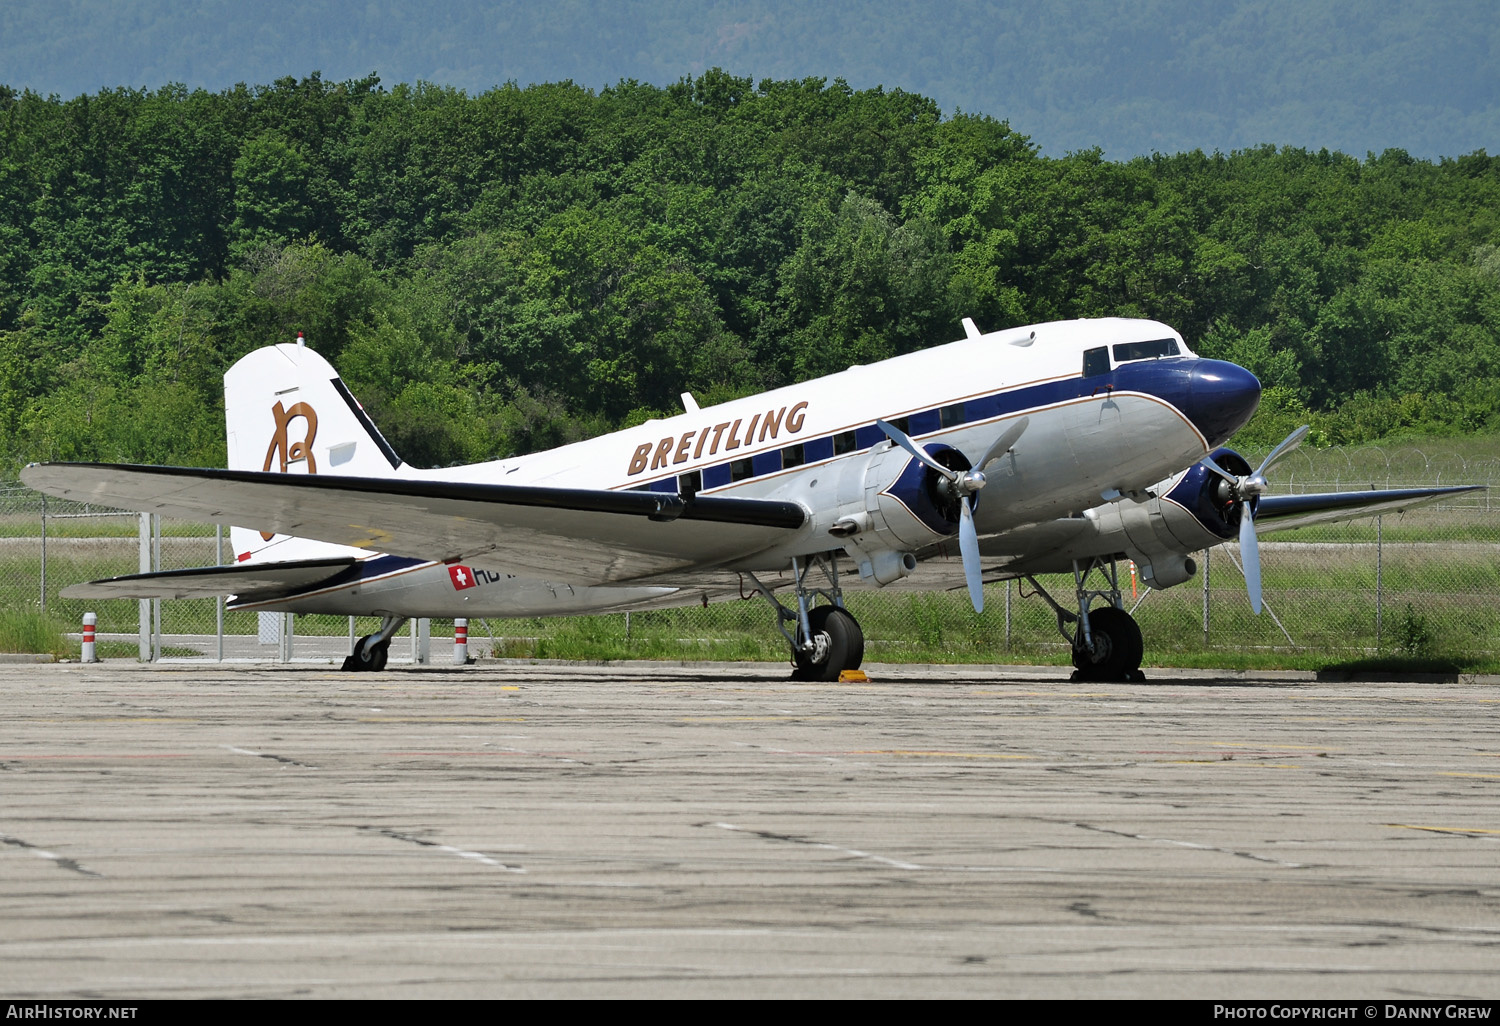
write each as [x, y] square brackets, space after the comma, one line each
[1054, 448]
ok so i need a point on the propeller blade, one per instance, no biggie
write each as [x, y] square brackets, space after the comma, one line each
[968, 547]
[1208, 461]
[1003, 444]
[899, 437]
[1250, 556]
[1288, 443]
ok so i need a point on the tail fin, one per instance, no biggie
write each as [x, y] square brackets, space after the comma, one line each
[286, 410]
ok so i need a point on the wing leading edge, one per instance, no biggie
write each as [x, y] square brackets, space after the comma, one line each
[574, 535]
[1282, 512]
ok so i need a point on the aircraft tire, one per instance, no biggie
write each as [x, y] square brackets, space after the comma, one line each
[841, 640]
[368, 657]
[856, 644]
[1118, 647]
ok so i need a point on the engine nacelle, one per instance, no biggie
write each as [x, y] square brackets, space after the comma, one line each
[891, 504]
[1193, 511]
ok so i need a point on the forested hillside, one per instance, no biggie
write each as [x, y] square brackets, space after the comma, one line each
[501, 272]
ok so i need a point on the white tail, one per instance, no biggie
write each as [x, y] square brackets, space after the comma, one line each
[286, 410]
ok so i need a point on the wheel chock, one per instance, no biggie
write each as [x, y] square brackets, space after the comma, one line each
[853, 677]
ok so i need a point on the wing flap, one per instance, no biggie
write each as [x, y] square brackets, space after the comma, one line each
[574, 535]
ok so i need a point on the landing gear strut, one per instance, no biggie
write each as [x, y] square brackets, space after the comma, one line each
[1106, 641]
[371, 651]
[827, 640]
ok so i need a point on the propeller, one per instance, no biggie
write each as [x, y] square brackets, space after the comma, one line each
[1245, 490]
[963, 484]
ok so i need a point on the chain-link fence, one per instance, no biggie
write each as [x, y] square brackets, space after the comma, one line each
[1420, 583]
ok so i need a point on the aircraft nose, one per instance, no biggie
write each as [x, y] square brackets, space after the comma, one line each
[1222, 397]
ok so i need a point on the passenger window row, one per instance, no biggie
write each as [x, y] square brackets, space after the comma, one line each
[1095, 361]
[817, 449]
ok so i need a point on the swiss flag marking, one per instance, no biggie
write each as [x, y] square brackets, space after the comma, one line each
[462, 577]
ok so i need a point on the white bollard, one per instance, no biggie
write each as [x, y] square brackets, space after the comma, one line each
[460, 642]
[90, 621]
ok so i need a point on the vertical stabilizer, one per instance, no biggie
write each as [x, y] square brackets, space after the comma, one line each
[287, 411]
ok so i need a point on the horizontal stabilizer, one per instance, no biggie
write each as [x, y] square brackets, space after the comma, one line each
[260, 580]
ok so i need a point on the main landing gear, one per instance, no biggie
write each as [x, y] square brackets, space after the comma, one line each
[1106, 641]
[371, 651]
[825, 640]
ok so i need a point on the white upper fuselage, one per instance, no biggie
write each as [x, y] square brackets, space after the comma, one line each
[1077, 446]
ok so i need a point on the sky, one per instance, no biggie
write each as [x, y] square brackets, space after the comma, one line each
[1128, 76]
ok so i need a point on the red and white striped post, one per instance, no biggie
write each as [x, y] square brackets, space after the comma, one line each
[90, 621]
[460, 642]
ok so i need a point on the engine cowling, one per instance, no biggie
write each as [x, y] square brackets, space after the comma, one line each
[891, 504]
[1191, 512]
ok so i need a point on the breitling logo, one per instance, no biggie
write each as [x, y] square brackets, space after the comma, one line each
[289, 451]
[676, 448]
[295, 451]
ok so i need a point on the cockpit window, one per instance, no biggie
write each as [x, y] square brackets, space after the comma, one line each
[1153, 350]
[1096, 361]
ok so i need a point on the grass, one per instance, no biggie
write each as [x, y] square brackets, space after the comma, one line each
[29, 630]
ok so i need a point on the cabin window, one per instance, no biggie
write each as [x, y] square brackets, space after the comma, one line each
[844, 442]
[689, 485]
[901, 424]
[1153, 350]
[791, 456]
[1096, 361]
[739, 470]
[951, 416]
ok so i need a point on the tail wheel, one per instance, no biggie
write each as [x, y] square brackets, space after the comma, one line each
[838, 645]
[1117, 646]
[368, 657]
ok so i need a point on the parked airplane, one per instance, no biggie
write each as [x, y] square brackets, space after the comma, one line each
[1058, 447]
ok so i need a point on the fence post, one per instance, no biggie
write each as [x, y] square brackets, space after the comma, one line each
[1008, 583]
[421, 639]
[1205, 596]
[44, 553]
[143, 614]
[219, 601]
[156, 602]
[1379, 568]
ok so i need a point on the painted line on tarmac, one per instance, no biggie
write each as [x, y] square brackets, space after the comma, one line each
[60, 861]
[447, 849]
[935, 754]
[267, 755]
[1191, 844]
[881, 859]
[854, 852]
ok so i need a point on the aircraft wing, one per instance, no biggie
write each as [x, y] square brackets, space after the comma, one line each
[258, 580]
[575, 535]
[1281, 512]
